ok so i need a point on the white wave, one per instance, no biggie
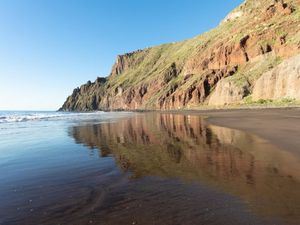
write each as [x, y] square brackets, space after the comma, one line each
[11, 117]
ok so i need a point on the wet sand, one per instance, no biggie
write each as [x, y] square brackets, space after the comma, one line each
[280, 126]
[263, 178]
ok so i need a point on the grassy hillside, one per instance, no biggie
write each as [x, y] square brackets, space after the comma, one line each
[253, 39]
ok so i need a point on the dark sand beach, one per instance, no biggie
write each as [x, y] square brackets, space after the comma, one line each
[280, 126]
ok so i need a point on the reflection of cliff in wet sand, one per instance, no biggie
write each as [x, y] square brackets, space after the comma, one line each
[182, 146]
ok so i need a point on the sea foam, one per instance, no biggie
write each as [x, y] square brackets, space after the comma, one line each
[11, 117]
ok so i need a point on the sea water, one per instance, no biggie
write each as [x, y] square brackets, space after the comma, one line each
[140, 168]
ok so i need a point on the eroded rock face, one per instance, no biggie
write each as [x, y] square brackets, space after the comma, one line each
[197, 92]
[195, 72]
[233, 16]
[279, 7]
[228, 92]
[126, 61]
[87, 97]
[281, 82]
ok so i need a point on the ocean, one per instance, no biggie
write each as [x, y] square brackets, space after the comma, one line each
[139, 168]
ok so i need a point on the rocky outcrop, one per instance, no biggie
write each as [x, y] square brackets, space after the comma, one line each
[126, 61]
[282, 81]
[228, 92]
[232, 16]
[87, 97]
[219, 67]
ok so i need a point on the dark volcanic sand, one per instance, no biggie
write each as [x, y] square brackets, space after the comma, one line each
[155, 168]
[279, 126]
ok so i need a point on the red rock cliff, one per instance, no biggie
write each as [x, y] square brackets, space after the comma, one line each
[219, 67]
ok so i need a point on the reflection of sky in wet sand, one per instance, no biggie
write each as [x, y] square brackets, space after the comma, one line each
[186, 148]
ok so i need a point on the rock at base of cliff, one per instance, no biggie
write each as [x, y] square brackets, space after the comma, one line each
[283, 81]
[227, 92]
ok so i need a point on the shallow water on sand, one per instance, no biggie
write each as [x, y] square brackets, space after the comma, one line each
[147, 168]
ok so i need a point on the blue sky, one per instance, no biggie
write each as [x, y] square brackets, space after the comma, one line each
[49, 47]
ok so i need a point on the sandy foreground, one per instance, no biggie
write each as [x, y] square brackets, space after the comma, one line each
[280, 126]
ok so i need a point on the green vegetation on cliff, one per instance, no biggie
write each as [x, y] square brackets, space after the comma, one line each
[252, 40]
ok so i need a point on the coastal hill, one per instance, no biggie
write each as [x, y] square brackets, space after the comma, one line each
[253, 55]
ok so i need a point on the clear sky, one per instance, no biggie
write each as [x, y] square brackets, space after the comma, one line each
[49, 47]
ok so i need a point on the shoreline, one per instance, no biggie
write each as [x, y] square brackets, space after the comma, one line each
[200, 109]
[280, 126]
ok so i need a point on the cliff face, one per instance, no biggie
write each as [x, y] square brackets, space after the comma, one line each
[222, 66]
[282, 81]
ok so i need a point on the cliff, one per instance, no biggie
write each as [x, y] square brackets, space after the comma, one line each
[220, 67]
